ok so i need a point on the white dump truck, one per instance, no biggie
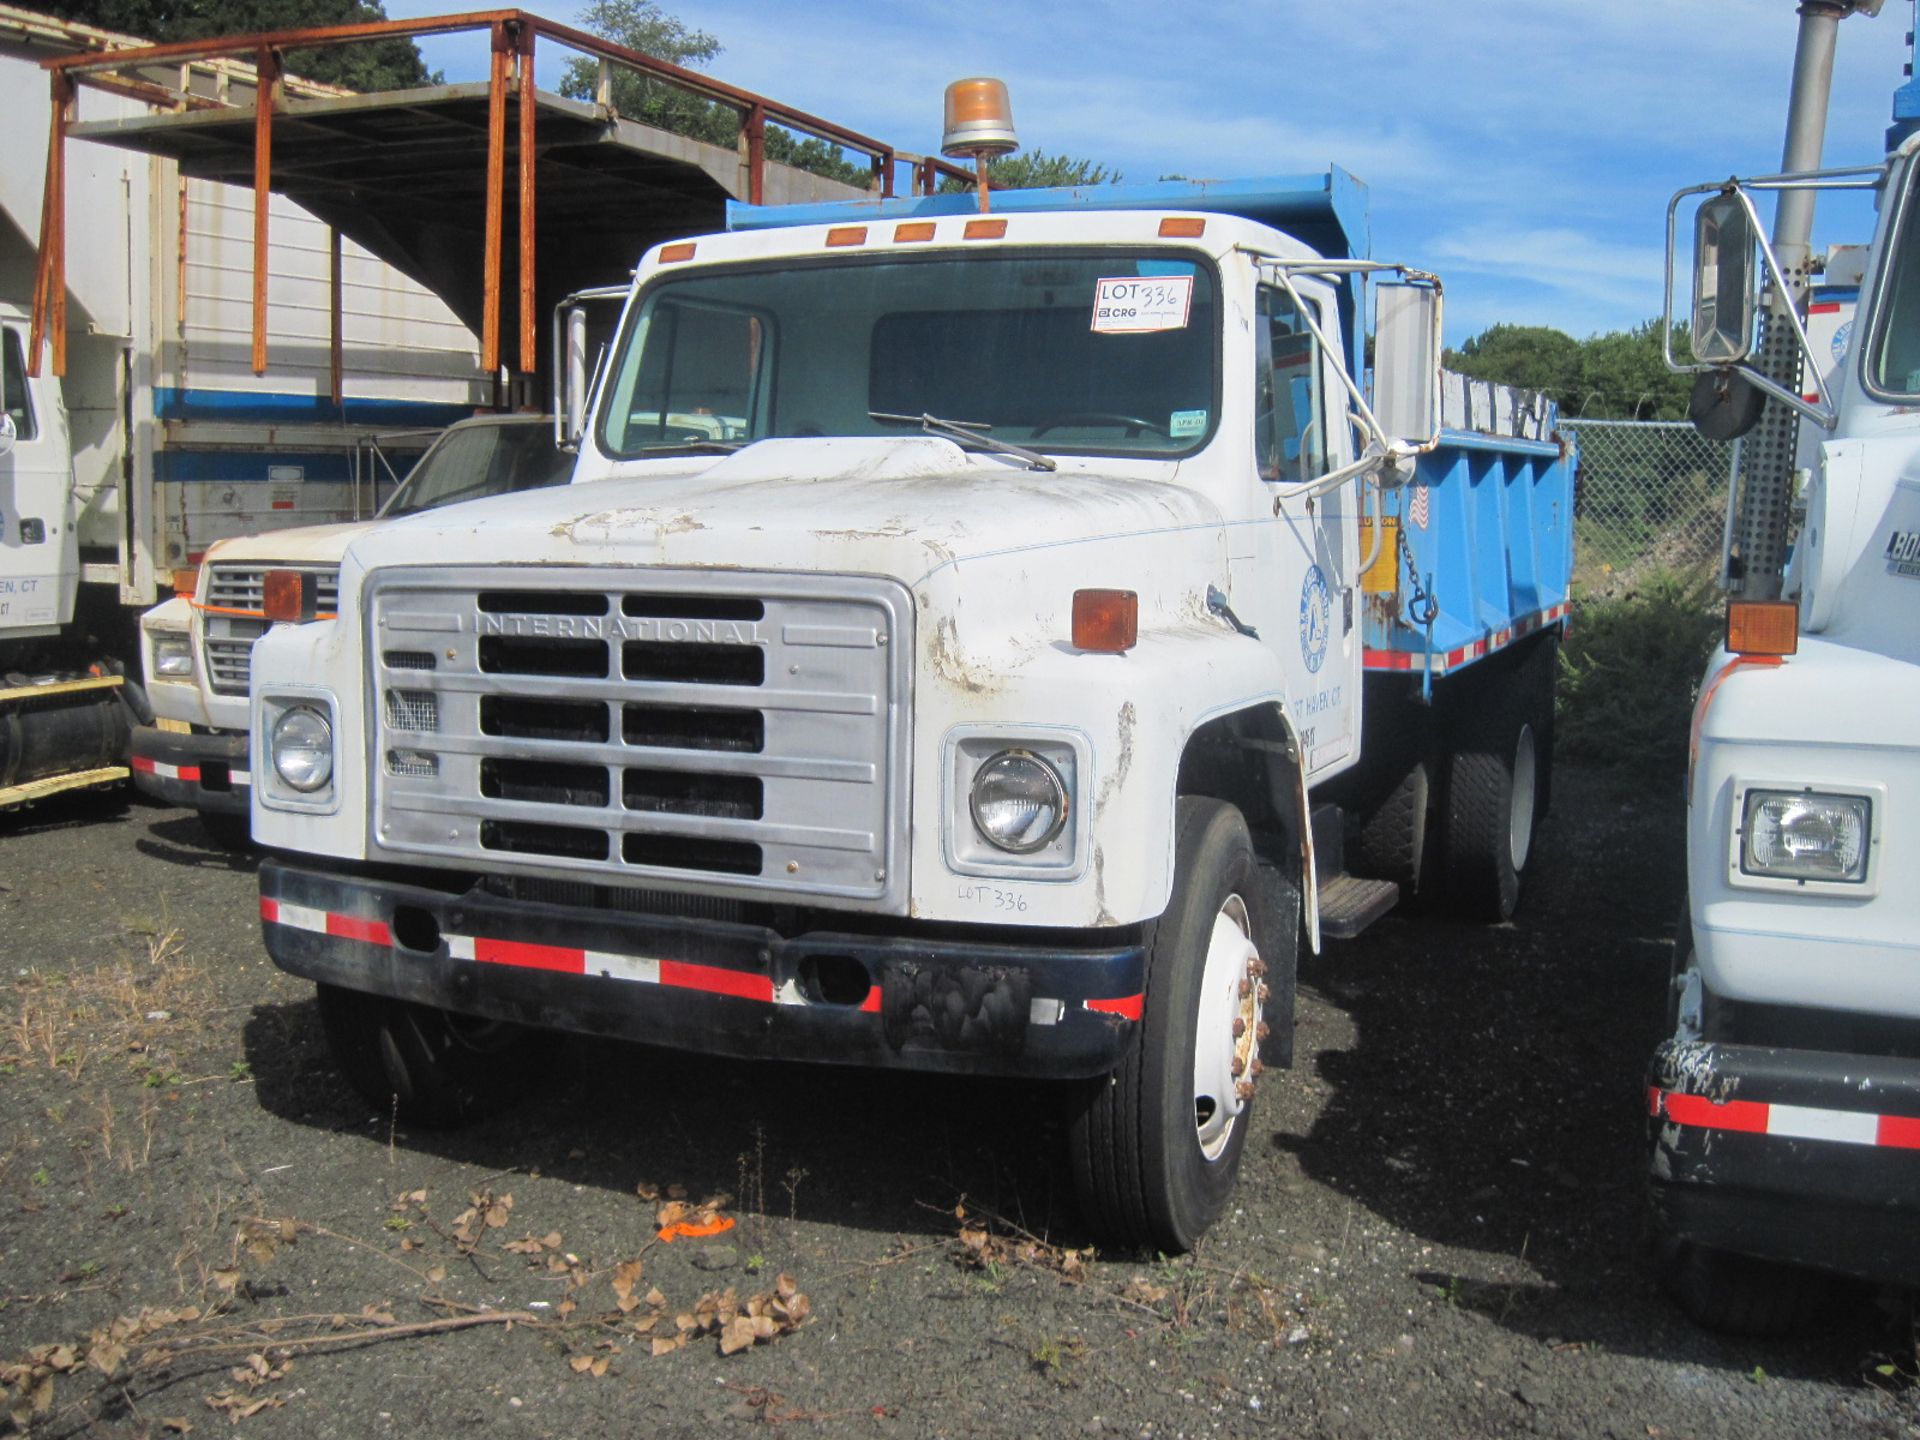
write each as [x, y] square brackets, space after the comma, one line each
[971, 643]
[195, 649]
[1784, 1102]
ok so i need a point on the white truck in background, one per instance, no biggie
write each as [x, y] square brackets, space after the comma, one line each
[195, 649]
[160, 441]
[974, 643]
[1784, 1102]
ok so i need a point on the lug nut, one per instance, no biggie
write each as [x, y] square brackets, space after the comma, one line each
[1257, 966]
[1239, 1027]
[1244, 1090]
[1262, 1030]
[1239, 1066]
[1258, 1069]
[1246, 988]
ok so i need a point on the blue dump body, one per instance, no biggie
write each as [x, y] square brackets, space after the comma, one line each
[1487, 528]
[1486, 525]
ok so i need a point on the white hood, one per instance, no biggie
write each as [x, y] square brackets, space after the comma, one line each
[896, 507]
[306, 545]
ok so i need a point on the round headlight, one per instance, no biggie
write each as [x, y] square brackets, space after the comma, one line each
[303, 748]
[1019, 801]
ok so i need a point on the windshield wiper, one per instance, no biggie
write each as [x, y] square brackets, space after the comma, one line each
[724, 447]
[967, 431]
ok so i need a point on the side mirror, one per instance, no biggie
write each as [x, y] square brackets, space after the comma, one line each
[1723, 309]
[573, 340]
[1406, 363]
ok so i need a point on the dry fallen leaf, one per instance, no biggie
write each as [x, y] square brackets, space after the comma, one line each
[1143, 1292]
[625, 1276]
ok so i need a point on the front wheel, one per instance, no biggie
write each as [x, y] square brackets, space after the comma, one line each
[1156, 1145]
[427, 1066]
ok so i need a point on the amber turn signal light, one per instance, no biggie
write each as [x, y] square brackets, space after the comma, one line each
[284, 596]
[1763, 627]
[187, 581]
[1106, 620]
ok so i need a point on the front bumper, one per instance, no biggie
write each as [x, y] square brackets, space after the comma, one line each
[1803, 1156]
[1058, 1008]
[203, 772]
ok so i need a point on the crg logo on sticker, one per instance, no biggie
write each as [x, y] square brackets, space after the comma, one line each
[1316, 618]
[1140, 305]
[1903, 553]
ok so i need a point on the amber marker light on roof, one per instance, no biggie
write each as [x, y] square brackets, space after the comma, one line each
[284, 596]
[912, 230]
[847, 235]
[1182, 227]
[985, 230]
[682, 251]
[1106, 620]
[1763, 627]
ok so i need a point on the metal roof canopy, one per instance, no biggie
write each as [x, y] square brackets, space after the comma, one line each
[405, 174]
[420, 177]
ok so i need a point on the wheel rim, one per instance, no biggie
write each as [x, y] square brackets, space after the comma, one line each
[1520, 819]
[1228, 1028]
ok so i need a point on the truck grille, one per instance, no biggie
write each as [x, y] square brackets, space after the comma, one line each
[228, 638]
[727, 732]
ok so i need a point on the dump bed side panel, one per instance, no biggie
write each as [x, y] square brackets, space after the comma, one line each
[1476, 552]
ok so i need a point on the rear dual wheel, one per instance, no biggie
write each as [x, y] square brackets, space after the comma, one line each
[1499, 775]
[1156, 1145]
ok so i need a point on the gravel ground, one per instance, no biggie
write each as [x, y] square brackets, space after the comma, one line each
[1437, 1228]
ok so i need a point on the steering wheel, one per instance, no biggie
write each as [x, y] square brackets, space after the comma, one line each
[1133, 423]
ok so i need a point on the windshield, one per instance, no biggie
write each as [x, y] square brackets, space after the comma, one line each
[470, 461]
[1111, 353]
[1893, 363]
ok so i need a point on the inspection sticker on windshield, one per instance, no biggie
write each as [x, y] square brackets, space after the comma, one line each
[1129, 304]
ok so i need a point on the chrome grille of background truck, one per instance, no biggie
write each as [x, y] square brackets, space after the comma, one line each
[228, 637]
[736, 733]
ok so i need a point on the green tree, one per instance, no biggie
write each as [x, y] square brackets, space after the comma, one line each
[1037, 170]
[642, 25]
[1533, 357]
[378, 65]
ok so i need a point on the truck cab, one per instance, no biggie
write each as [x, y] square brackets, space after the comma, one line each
[196, 649]
[1784, 1104]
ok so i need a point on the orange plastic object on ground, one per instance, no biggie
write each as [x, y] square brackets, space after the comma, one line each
[687, 1230]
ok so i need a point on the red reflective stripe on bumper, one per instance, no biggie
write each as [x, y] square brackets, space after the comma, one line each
[142, 764]
[531, 957]
[715, 981]
[269, 910]
[1127, 1007]
[349, 927]
[1746, 1116]
[1902, 1132]
[871, 1005]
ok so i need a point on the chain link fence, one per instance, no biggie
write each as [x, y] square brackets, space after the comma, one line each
[1652, 496]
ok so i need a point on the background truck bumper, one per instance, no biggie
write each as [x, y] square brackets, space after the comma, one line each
[1057, 1008]
[1796, 1155]
[203, 772]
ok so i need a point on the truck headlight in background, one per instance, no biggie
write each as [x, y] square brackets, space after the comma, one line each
[302, 745]
[1806, 835]
[1019, 802]
[172, 657]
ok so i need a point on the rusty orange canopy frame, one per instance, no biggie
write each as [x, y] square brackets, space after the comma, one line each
[512, 34]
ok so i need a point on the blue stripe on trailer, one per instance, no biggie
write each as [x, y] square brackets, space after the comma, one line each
[283, 408]
[180, 464]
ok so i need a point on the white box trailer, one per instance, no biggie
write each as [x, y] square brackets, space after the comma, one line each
[160, 439]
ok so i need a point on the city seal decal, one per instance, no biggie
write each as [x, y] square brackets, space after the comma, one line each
[1903, 554]
[1316, 618]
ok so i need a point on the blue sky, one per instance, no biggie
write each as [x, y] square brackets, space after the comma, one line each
[1523, 149]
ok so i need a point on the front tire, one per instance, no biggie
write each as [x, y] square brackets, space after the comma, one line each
[427, 1066]
[1741, 1294]
[1156, 1145]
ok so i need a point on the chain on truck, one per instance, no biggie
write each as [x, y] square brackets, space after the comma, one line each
[1784, 1102]
[972, 642]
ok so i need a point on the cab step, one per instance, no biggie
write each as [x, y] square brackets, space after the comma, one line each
[1349, 904]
